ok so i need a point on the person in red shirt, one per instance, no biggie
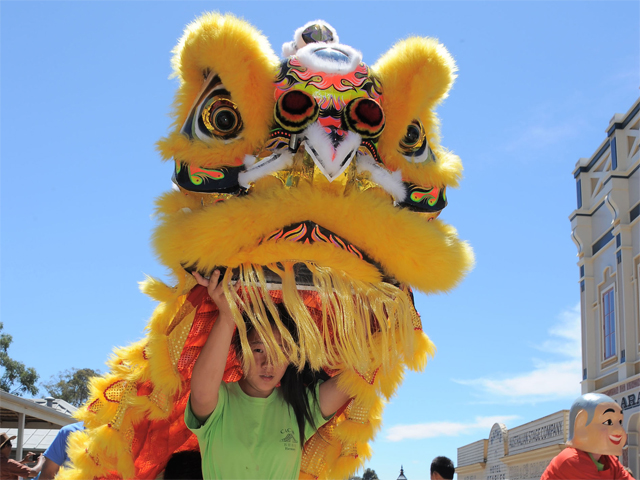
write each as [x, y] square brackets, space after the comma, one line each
[595, 440]
[11, 469]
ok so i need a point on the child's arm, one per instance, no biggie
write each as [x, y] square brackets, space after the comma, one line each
[331, 397]
[209, 367]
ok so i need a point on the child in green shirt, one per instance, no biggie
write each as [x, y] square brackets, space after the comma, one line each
[251, 429]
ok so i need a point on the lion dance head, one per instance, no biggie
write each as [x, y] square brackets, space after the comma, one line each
[315, 181]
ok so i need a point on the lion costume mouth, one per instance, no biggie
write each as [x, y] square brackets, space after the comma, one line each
[305, 233]
[293, 217]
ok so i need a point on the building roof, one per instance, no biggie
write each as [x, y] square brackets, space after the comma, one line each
[56, 404]
[38, 415]
[402, 477]
[35, 439]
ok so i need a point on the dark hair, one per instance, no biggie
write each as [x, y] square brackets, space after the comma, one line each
[298, 387]
[443, 466]
[185, 465]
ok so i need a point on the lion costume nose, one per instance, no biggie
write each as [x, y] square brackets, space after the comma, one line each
[331, 148]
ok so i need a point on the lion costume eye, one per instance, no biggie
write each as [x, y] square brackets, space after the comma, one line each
[295, 110]
[214, 116]
[414, 146]
[365, 117]
[221, 117]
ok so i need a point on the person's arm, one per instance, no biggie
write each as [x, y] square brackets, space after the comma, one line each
[17, 468]
[28, 458]
[209, 367]
[624, 473]
[38, 467]
[331, 397]
[49, 469]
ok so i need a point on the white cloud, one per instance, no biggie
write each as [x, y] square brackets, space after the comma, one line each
[547, 124]
[543, 134]
[567, 335]
[443, 429]
[549, 380]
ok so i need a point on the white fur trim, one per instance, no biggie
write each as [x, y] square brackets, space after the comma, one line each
[331, 162]
[290, 48]
[317, 137]
[249, 160]
[391, 182]
[278, 161]
[309, 59]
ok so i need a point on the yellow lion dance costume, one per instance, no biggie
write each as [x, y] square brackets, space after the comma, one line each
[315, 181]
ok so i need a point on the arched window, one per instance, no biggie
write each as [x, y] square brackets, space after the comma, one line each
[609, 323]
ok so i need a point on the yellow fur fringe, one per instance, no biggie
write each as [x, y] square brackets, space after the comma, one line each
[350, 309]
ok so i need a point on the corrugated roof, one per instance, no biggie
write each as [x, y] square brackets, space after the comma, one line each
[59, 405]
[35, 439]
[36, 413]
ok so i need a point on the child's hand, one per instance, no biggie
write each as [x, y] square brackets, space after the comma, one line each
[216, 292]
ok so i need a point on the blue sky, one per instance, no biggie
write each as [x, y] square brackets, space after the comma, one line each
[85, 95]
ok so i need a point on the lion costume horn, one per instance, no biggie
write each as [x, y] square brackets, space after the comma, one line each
[315, 182]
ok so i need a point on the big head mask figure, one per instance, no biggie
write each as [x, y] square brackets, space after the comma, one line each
[595, 425]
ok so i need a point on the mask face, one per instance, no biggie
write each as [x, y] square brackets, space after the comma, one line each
[605, 434]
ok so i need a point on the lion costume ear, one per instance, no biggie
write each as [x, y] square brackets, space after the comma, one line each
[227, 54]
[416, 75]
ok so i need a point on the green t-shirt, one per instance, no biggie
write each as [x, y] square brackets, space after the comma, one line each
[251, 438]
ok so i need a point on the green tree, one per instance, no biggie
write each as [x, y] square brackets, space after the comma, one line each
[17, 378]
[369, 474]
[71, 385]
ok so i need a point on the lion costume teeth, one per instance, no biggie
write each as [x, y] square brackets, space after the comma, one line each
[315, 181]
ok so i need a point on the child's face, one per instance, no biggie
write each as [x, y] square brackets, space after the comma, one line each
[259, 381]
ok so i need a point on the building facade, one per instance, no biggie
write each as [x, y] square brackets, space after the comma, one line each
[521, 453]
[606, 230]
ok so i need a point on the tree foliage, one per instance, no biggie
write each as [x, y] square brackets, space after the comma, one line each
[16, 378]
[72, 386]
[369, 474]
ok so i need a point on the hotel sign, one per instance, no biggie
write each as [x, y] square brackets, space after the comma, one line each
[498, 447]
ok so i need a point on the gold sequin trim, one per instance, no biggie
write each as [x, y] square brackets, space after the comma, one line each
[129, 434]
[370, 376]
[113, 393]
[176, 339]
[313, 457]
[161, 400]
[349, 450]
[356, 412]
[187, 307]
[415, 320]
[118, 418]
